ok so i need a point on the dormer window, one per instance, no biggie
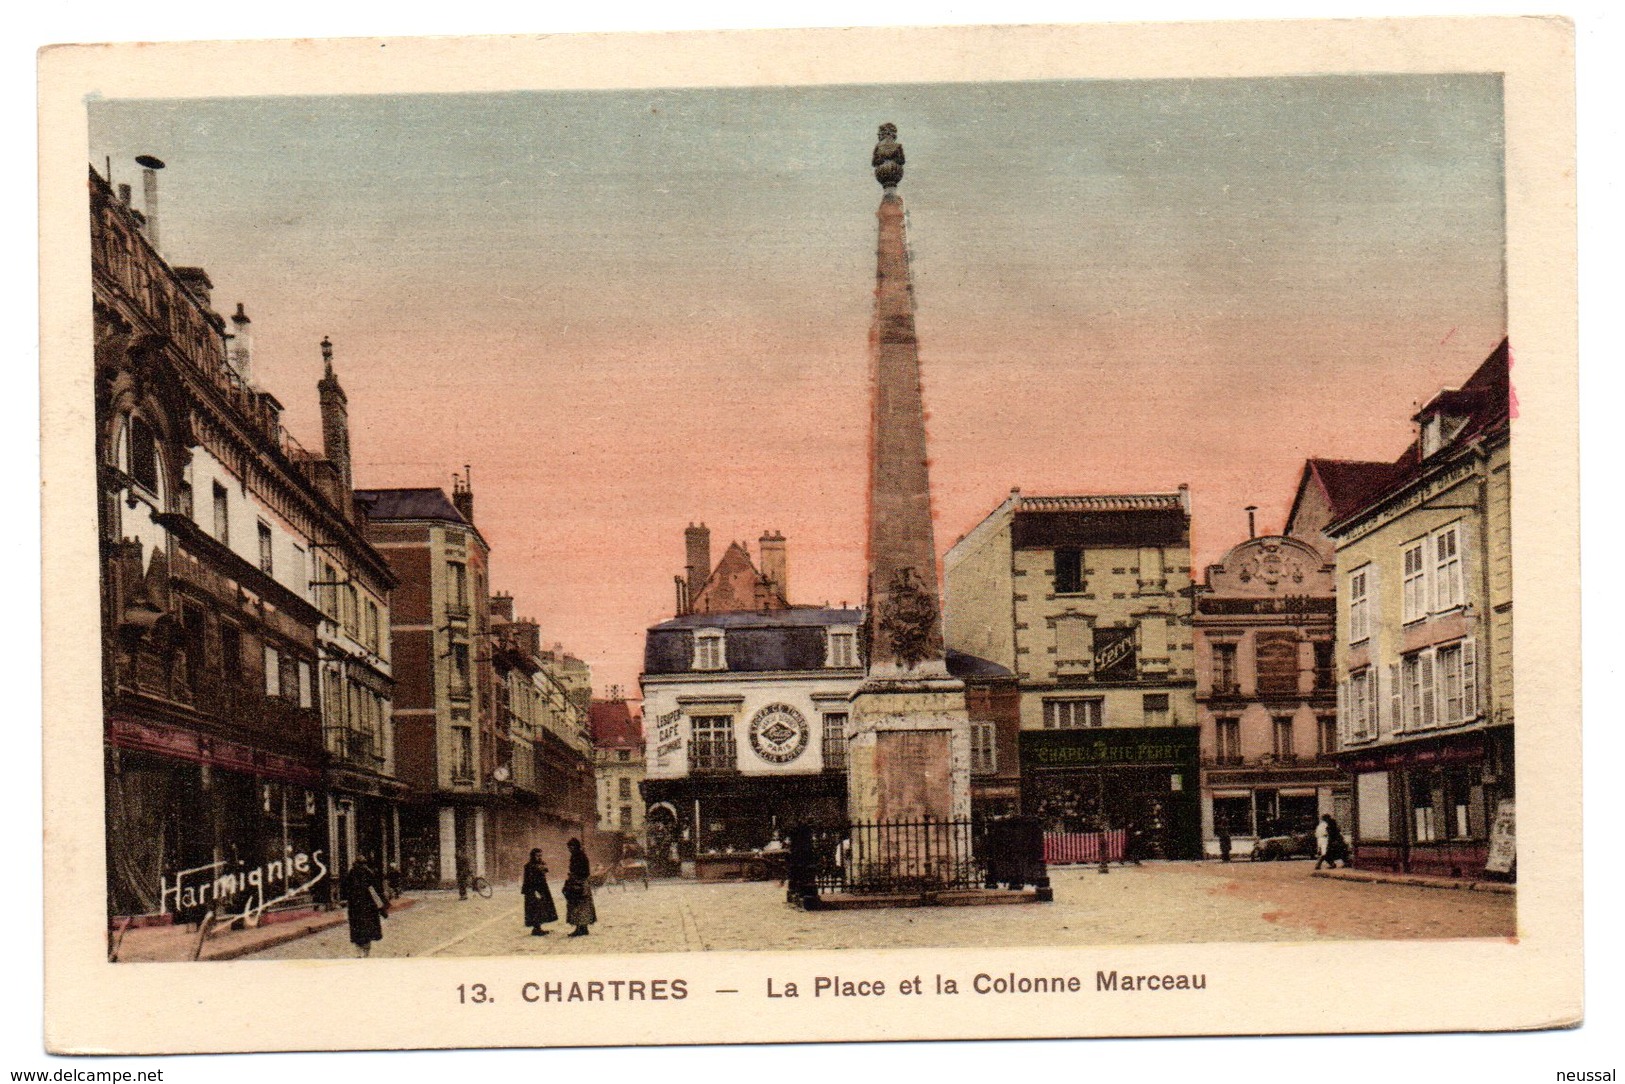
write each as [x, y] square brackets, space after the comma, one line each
[842, 649]
[1439, 430]
[710, 650]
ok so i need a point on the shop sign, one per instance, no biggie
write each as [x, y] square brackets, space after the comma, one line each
[243, 891]
[1382, 760]
[668, 735]
[1114, 654]
[1503, 839]
[1125, 746]
[779, 733]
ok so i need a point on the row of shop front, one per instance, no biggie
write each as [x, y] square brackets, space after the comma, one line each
[1428, 808]
[196, 824]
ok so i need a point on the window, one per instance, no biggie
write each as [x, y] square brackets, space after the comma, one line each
[231, 651]
[1068, 572]
[623, 755]
[1416, 581]
[273, 672]
[709, 651]
[843, 649]
[1227, 740]
[460, 685]
[624, 791]
[984, 753]
[1359, 605]
[1224, 669]
[1151, 570]
[305, 699]
[1072, 714]
[267, 555]
[289, 682]
[712, 743]
[1325, 669]
[222, 516]
[1155, 707]
[327, 595]
[143, 454]
[1282, 727]
[456, 588]
[370, 629]
[835, 741]
[626, 816]
[1447, 587]
[1360, 702]
[1326, 735]
[1234, 814]
[1276, 656]
[462, 770]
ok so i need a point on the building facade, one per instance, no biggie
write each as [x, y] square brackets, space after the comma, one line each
[1266, 695]
[618, 764]
[446, 727]
[541, 743]
[221, 791]
[1086, 600]
[1424, 614]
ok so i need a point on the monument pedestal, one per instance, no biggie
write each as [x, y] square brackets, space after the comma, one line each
[908, 752]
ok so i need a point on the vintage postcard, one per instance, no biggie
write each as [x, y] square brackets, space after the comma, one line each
[819, 535]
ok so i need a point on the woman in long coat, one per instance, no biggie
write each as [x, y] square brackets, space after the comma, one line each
[539, 908]
[578, 908]
[365, 905]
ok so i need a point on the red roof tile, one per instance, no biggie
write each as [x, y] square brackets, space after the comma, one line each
[614, 726]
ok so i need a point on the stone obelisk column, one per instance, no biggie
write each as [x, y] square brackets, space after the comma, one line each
[908, 754]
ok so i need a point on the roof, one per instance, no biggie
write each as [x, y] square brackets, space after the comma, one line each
[1484, 402]
[795, 617]
[408, 504]
[1350, 484]
[1106, 502]
[613, 724]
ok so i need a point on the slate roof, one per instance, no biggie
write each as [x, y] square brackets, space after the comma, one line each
[963, 666]
[795, 617]
[1350, 484]
[408, 504]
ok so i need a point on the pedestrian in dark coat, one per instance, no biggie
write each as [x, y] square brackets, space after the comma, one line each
[578, 907]
[539, 908]
[1337, 848]
[365, 904]
[1224, 842]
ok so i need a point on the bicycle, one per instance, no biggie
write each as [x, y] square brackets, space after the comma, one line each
[475, 884]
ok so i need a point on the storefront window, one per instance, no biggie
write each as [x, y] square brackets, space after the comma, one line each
[1236, 814]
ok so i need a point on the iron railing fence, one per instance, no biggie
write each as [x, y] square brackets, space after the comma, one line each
[917, 858]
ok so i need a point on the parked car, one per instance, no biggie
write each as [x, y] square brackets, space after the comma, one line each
[1292, 845]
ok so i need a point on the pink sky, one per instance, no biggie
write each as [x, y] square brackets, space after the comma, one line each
[633, 310]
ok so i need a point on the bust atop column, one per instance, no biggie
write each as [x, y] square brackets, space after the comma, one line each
[888, 157]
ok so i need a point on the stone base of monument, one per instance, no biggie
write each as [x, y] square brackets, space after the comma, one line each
[908, 752]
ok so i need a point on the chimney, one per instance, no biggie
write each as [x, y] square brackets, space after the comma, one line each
[682, 595]
[124, 194]
[502, 607]
[240, 347]
[1252, 528]
[149, 195]
[697, 541]
[527, 637]
[774, 567]
[462, 493]
[335, 418]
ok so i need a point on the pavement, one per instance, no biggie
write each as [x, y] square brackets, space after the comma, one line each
[1158, 903]
[171, 944]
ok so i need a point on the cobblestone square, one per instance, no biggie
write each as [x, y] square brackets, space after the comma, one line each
[1158, 903]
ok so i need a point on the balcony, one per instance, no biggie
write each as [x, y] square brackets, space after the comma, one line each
[354, 748]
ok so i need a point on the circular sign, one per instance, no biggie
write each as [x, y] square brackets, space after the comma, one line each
[779, 733]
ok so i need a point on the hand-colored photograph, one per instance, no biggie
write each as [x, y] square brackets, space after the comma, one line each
[509, 495]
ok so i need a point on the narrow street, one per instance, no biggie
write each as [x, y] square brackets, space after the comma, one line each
[1160, 903]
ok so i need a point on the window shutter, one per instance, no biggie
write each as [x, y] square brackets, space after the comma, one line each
[1395, 704]
[1429, 718]
[1469, 679]
[1343, 712]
